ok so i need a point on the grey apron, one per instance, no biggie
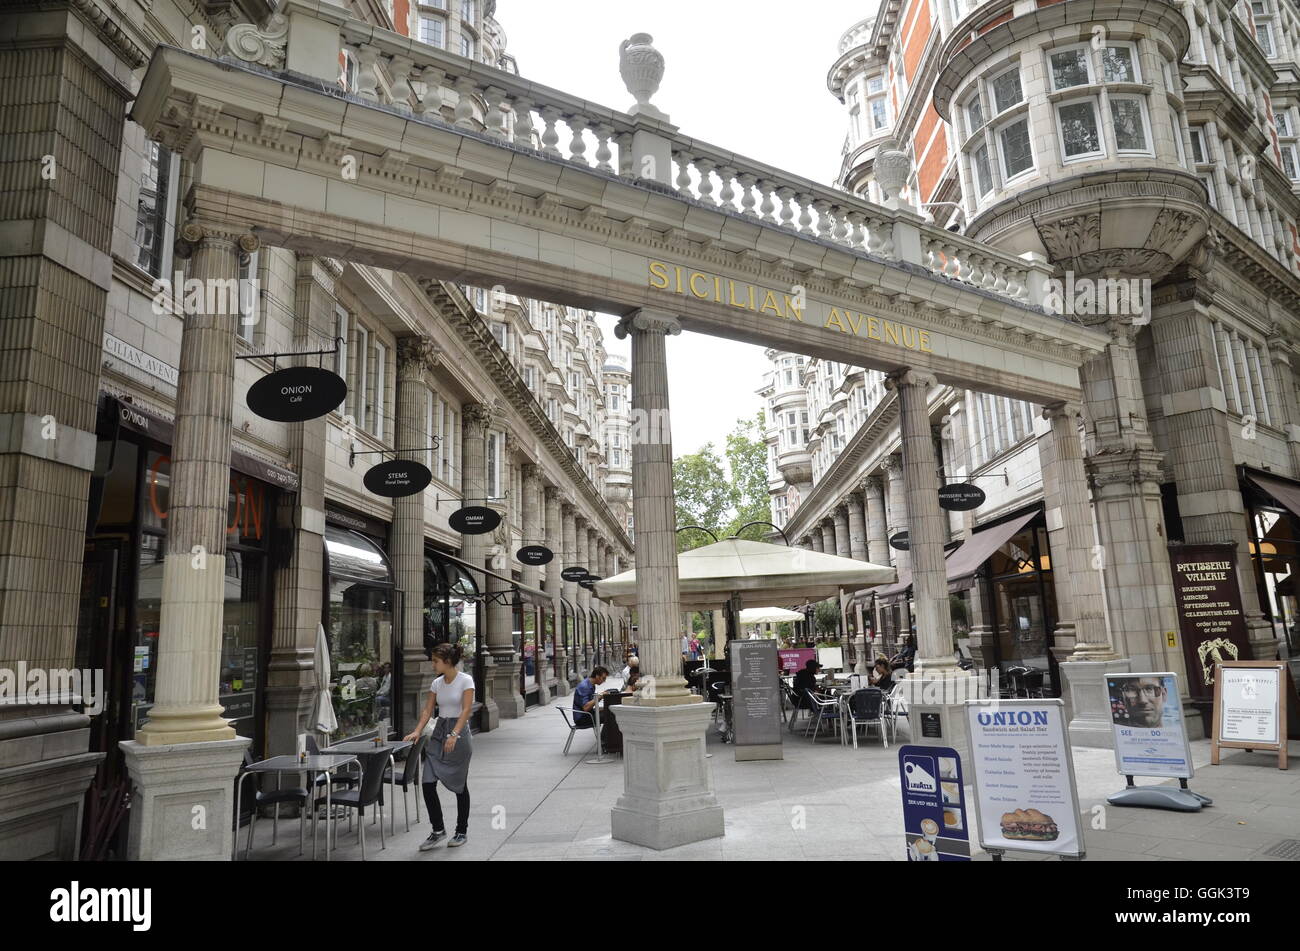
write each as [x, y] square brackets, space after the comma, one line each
[450, 769]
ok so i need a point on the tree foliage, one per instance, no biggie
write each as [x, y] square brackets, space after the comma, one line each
[710, 496]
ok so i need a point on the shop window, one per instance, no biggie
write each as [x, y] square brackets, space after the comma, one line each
[359, 628]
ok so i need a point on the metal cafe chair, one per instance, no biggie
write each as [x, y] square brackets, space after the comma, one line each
[895, 709]
[297, 794]
[369, 793]
[1033, 679]
[409, 776]
[567, 714]
[823, 710]
[866, 707]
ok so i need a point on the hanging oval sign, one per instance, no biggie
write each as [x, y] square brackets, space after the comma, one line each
[474, 520]
[961, 497]
[297, 394]
[397, 479]
[573, 574]
[589, 582]
[535, 555]
[902, 541]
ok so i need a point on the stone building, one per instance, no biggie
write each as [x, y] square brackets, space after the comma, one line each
[503, 399]
[1147, 153]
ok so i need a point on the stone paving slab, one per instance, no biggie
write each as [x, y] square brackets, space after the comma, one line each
[822, 801]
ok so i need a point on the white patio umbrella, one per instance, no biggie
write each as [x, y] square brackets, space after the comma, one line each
[326, 722]
[759, 572]
[768, 616]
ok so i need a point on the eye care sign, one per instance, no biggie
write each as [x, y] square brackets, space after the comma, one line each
[1025, 794]
[1147, 718]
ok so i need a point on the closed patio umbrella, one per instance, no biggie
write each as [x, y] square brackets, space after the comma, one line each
[326, 722]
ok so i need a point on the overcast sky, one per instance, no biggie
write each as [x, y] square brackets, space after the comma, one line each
[745, 75]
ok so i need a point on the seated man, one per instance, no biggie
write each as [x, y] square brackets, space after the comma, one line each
[585, 698]
[806, 680]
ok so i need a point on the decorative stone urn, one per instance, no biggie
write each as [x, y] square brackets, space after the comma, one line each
[642, 69]
[892, 167]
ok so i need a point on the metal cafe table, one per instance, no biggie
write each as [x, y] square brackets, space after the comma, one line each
[317, 765]
[355, 748]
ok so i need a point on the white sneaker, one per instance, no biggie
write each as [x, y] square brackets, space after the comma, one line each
[432, 841]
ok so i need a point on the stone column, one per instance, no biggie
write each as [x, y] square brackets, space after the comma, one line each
[938, 685]
[582, 596]
[1123, 466]
[1094, 657]
[857, 528]
[533, 520]
[668, 788]
[502, 674]
[552, 585]
[299, 585]
[840, 520]
[877, 530]
[816, 541]
[186, 734]
[416, 357]
[893, 466]
[186, 708]
[65, 101]
[828, 537]
[593, 603]
[477, 417]
[570, 589]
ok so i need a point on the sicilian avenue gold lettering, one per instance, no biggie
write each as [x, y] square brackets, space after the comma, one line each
[746, 296]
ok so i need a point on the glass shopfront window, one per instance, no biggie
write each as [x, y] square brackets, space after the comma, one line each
[1275, 550]
[359, 627]
[1024, 606]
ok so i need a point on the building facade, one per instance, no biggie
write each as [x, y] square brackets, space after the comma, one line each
[510, 403]
[1147, 153]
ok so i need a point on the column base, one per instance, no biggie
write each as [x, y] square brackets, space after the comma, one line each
[503, 688]
[667, 796]
[182, 799]
[936, 704]
[1090, 718]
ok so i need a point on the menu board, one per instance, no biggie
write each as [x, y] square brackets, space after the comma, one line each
[1150, 739]
[1250, 707]
[934, 804]
[755, 691]
[1025, 793]
[1209, 612]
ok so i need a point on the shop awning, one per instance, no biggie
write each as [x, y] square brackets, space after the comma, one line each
[1285, 492]
[977, 549]
[526, 593]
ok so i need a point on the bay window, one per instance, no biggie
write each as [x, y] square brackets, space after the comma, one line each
[1017, 154]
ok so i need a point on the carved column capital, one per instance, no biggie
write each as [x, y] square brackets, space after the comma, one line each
[892, 464]
[415, 355]
[906, 376]
[872, 483]
[1063, 409]
[264, 45]
[478, 416]
[648, 321]
[196, 231]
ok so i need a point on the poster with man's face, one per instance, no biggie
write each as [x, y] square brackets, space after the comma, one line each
[1141, 700]
[1148, 722]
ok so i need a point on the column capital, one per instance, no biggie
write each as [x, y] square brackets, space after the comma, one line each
[648, 321]
[852, 501]
[530, 472]
[479, 416]
[872, 483]
[197, 231]
[892, 464]
[416, 354]
[580, 522]
[840, 513]
[1071, 410]
[906, 376]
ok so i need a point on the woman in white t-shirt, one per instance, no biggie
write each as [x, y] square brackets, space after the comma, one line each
[448, 751]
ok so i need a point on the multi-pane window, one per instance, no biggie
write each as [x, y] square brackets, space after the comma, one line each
[974, 114]
[1130, 124]
[1117, 65]
[468, 10]
[493, 466]
[1017, 154]
[1006, 90]
[1079, 121]
[1070, 68]
[433, 31]
[361, 376]
[1287, 143]
[983, 174]
[466, 46]
[151, 211]
[380, 409]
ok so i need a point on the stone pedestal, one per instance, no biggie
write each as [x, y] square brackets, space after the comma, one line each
[667, 796]
[183, 805]
[44, 772]
[941, 695]
[504, 688]
[1090, 719]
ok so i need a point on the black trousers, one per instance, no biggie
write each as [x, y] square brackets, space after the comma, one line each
[435, 808]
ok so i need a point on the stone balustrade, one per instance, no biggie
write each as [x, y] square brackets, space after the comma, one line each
[428, 83]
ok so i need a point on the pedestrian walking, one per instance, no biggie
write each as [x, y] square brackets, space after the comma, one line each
[447, 754]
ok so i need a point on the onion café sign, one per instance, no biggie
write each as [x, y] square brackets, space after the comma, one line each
[722, 290]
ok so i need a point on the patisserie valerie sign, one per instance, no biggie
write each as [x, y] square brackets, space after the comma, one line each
[1025, 793]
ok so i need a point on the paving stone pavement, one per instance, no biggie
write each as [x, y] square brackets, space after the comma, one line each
[822, 801]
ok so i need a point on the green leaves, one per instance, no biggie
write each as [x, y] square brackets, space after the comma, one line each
[723, 497]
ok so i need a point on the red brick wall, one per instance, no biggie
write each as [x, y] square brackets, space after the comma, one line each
[402, 16]
[931, 148]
